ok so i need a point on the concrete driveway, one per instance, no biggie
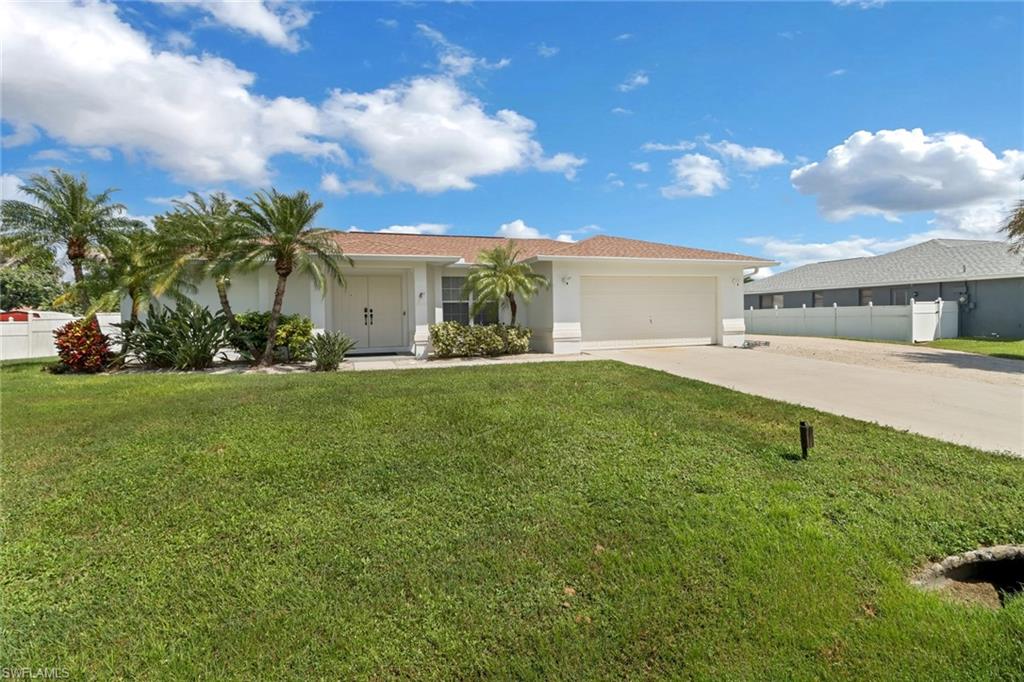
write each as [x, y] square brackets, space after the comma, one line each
[954, 403]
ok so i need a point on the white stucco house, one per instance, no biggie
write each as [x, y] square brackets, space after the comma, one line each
[606, 292]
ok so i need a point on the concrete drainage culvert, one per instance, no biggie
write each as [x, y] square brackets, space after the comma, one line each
[989, 576]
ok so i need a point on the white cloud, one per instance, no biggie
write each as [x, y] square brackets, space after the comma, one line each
[635, 80]
[178, 40]
[277, 23]
[681, 146]
[421, 228]
[695, 175]
[837, 72]
[566, 164]
[642, 167]
[99, 153]
[622, 111]
[545, 50]
[59, 155]
[976, 222]
[623, 36]
[23, 133]
[752, 158]
[517, 229]
[902, 171]
[71, 155]
[193, 116]
[430, 134]
[330, 182]
[388, 23]
[788, 35]
[198, 117]
[10, 189]
[454, 59]
[613, 181]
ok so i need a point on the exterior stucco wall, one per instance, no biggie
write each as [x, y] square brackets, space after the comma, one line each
[566, 289]
[554, 314]
[995, 306]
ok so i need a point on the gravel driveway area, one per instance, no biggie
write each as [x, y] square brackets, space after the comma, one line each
[900, 357]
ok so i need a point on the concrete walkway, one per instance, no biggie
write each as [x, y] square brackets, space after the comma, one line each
[960, 410]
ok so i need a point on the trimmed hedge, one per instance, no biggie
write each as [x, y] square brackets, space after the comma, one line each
[454, 339]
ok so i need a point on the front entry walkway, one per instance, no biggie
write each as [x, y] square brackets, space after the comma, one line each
[961, 410]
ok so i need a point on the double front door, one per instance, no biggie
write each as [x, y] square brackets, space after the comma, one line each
[371, 311]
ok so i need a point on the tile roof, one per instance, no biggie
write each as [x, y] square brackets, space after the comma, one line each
[937, 260]
[467, 248]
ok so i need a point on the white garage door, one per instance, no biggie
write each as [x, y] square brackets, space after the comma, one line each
[620, 312]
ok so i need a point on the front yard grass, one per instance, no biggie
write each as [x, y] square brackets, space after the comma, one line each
[1011, 349]
[556, 520]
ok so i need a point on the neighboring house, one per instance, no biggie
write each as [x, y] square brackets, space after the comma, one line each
[982, 277]
[605, 292]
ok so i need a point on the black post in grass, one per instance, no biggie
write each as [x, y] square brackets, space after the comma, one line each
[806, 438]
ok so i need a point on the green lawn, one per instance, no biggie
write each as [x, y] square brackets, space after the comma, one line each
[1012, 349]
[570, 520]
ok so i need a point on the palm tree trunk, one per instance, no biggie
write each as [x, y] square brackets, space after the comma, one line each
[83, 296]
[225, 305]
[512, 307]
[275, 314]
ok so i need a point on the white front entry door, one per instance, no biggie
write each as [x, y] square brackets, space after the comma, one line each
[369, 310]
[622, 312]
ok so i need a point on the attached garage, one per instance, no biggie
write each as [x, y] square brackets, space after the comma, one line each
[627, 311]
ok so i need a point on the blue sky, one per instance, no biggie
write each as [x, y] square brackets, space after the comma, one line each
[701, 124]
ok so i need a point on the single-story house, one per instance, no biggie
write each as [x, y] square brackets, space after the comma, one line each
[982, 277]
[605, 292]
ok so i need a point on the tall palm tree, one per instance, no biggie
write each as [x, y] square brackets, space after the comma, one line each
[499, 276]
[63, 215]
[1014, 228]
[278, 228]
[201, 238]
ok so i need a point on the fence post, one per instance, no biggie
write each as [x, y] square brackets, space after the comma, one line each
[938, 318]
[28, 341]
[835, 318]
[871, 319]
[913, 311]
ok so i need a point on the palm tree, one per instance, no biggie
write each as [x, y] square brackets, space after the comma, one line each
[1014, 228]
[63, 215]
[201, 238]
[129, 267]
[278, 228]
[499, 276]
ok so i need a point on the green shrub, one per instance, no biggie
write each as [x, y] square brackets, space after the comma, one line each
[82, 347]
[291, 342]
[516, 338]
[186, 337]
[329, 349]
[453, 339]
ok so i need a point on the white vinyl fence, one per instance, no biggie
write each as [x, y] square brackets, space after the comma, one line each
[34, 339]
[925, 321]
